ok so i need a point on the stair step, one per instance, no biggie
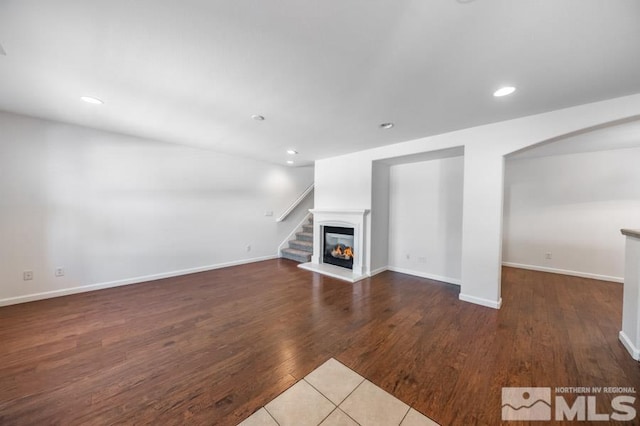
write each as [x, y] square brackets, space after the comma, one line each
[296, 255]
[307, 228]
[301, 245]
[304, 236]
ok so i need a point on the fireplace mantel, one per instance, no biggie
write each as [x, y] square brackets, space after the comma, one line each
[352, 218]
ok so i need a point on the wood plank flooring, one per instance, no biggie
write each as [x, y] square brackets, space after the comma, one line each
[213, 347]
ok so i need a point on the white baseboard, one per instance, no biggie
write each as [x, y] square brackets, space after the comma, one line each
[378, 271]
[434, 277]
[628, 344]
[564, 272]
[118, 283]
[480, 301]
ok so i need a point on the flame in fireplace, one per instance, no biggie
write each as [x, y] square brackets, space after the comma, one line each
[348, 252]
[342, 252]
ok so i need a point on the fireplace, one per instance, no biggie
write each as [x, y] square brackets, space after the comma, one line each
[350, 227]
[338, 246]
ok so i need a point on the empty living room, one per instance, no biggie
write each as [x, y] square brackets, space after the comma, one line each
[319, 213]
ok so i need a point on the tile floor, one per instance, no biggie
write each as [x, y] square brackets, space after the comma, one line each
[334, 395]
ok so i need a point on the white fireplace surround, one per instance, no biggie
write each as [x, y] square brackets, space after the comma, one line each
[348, 219]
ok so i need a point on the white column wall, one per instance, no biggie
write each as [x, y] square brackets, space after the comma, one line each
[630, 333]
[380, 219]
[481, 227]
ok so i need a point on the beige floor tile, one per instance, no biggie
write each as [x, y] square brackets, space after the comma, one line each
[259, 418]
[370, 405]
[334, 380]
[300, 405]
[338, 418]
[414, 418]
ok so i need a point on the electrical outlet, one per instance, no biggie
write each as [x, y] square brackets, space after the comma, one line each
[27, 275]
[547, 255]
[59, 272]
[249, 247]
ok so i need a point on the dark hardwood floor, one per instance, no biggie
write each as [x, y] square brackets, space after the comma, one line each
[211, 348]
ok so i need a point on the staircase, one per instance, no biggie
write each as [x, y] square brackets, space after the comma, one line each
[301, 249]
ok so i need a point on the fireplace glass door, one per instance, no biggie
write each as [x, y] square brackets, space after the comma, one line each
[338, 246]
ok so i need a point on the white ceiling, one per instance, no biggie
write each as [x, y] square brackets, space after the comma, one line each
[323, 73]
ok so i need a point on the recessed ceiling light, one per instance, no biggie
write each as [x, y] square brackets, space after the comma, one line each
[289, 162]
[292, 152]
[258, 117]
[504, 91]
[92, 100]
[386, 125]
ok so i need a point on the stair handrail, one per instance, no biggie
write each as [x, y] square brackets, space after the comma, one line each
[295, 204]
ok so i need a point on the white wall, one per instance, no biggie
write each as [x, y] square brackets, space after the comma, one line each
[572, 206]
[343, 183]
[112, 209]
[380, 217]
[425, 218]
[484, 147]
